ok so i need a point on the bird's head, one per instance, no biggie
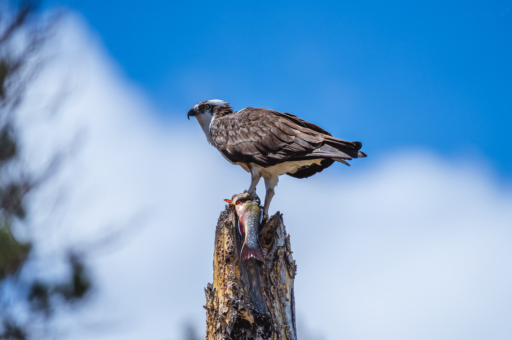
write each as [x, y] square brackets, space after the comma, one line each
[209, 109]
[206, 111]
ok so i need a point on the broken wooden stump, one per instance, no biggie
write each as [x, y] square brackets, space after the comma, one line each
[251, 300]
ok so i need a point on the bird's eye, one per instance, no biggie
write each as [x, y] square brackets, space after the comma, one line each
[206, 107]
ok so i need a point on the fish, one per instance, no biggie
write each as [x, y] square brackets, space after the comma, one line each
[249, 218]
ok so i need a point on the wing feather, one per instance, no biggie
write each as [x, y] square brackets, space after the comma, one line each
[282, 135]
[267, 138]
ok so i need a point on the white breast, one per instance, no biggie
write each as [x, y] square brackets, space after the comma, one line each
[284, 168]
[205, 120]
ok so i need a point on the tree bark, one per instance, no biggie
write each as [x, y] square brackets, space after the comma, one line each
[250, 300]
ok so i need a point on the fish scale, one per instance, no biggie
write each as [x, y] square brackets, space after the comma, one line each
[249, 218]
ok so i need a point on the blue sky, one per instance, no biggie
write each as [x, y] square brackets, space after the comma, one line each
[421, 244]
[397, 74]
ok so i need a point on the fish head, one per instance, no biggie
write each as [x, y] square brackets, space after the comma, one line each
[241, 206]
[246, 209]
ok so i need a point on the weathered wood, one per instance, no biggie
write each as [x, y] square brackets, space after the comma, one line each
[250, 300]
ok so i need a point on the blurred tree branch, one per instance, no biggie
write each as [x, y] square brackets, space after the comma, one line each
[24, 30]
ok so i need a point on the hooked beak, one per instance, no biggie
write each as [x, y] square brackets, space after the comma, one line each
[192, 112]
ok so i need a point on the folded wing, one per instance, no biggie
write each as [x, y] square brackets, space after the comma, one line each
[266, 138]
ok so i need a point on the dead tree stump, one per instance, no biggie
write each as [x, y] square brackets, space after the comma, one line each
[248, 300]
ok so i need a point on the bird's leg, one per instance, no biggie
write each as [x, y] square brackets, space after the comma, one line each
[268, 198]
[255, 178]
[270, 184]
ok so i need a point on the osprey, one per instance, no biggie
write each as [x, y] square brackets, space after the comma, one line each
[268, 143]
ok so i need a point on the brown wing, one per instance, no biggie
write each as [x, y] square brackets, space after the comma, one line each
[267, 138]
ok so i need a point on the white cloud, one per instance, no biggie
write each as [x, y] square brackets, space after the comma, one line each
[415, 248]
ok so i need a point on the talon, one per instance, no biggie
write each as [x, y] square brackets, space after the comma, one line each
[265, 217]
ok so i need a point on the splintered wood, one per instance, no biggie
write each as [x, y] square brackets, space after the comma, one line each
[250, 300]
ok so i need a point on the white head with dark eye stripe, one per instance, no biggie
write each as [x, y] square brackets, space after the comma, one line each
[206, 111]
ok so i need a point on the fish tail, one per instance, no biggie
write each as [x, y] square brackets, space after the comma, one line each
[248, 252]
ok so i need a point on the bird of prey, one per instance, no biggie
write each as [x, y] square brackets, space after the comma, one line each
[268, 143]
